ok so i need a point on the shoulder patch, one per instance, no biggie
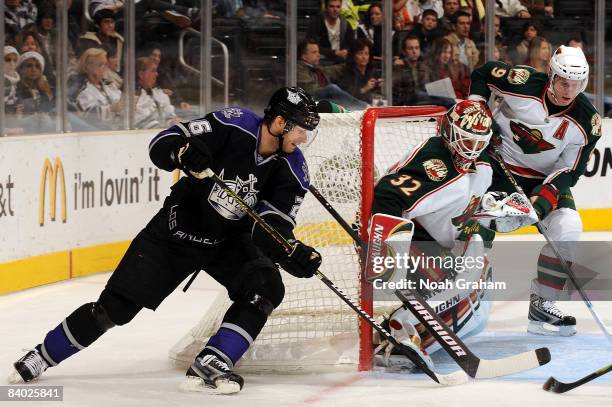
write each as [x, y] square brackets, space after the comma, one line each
[435, 169]
[298, 166]
[596, 125]
[239, 117]
[518, 76]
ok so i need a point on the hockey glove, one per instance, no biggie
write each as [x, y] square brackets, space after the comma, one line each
[302, 262]
[544, 199]
[194, 157]
[505, 213]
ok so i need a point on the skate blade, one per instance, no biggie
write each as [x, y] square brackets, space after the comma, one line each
[543, 328]
[196, 384]
[15, 378]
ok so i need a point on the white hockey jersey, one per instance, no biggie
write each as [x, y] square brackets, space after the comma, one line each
[540, 141]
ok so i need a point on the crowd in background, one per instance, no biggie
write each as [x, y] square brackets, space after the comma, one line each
[340, 54]
[432, 40]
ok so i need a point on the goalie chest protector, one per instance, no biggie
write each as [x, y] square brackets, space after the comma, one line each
[427, 188]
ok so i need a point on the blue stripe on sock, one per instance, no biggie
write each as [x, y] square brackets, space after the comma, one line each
[58, 345]
[229, 342]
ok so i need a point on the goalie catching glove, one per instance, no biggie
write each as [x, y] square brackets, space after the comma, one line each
[506, 213]
[194, 157]
[302, 262]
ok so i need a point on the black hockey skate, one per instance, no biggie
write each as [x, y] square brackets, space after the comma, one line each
[210, 374]
[29, 367]
[546, 319]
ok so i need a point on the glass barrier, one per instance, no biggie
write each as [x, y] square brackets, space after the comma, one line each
[96, 67]
[340, 55]
[254, 35]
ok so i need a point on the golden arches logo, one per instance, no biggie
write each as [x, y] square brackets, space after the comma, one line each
[53, 170]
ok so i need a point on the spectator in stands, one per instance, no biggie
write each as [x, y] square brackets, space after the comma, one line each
[464, 49]
[153, 107]
[18, 14]
[450, 7]
[332, 32]
[575, 42]
[11, 78]
[435, 5]
[166, 79]
[45, 32]
[427, 31]
[511, 8]
[111, 74]
[477, 12]
[372, 30]
[34, 96]
[539, 54]
[358, 78]
[530, 31]
[106, 37]
[410, 75]
[97, 102]
[318, 80]
[540, 7]
[441, 65]
[28, 41]
[405, 14]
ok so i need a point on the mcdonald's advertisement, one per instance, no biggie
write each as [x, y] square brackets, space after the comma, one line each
[63, 192]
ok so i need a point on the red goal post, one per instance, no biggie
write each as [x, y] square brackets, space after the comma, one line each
[368, 134]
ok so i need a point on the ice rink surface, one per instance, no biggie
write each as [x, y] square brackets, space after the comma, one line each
[128, 366]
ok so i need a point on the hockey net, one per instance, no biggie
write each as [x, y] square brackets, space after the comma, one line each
[313, 330]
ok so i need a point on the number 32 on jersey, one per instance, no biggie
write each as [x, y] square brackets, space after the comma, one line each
[406, 184]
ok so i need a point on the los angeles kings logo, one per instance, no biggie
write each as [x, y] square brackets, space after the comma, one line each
[227, 206]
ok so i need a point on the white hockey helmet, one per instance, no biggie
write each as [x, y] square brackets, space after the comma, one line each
[569, 63]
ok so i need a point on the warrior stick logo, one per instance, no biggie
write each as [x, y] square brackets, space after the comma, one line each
[225, 205]
[439, 329]
[531, 141]
[53, 171]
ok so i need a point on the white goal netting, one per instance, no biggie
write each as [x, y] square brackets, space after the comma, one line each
[313, 330]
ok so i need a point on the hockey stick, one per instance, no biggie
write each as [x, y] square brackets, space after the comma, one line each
[497, 156]
[454, 378]
[556, 386]
[473, 365]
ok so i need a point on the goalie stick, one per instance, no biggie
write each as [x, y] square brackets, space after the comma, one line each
[555, 386]
[473, 365]
[450, 379]
[564, 264]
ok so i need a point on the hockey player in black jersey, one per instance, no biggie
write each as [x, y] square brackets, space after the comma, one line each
[201, 227]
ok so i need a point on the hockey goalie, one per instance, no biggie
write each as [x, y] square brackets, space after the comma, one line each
[432, 222]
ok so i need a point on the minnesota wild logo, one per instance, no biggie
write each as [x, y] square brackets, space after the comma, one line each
[435, 169]
[518, 76]
[531, 141]
[468, 212]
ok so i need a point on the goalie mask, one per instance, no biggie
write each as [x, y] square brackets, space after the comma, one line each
[466, 128]
[296, 106]
[571, 64]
